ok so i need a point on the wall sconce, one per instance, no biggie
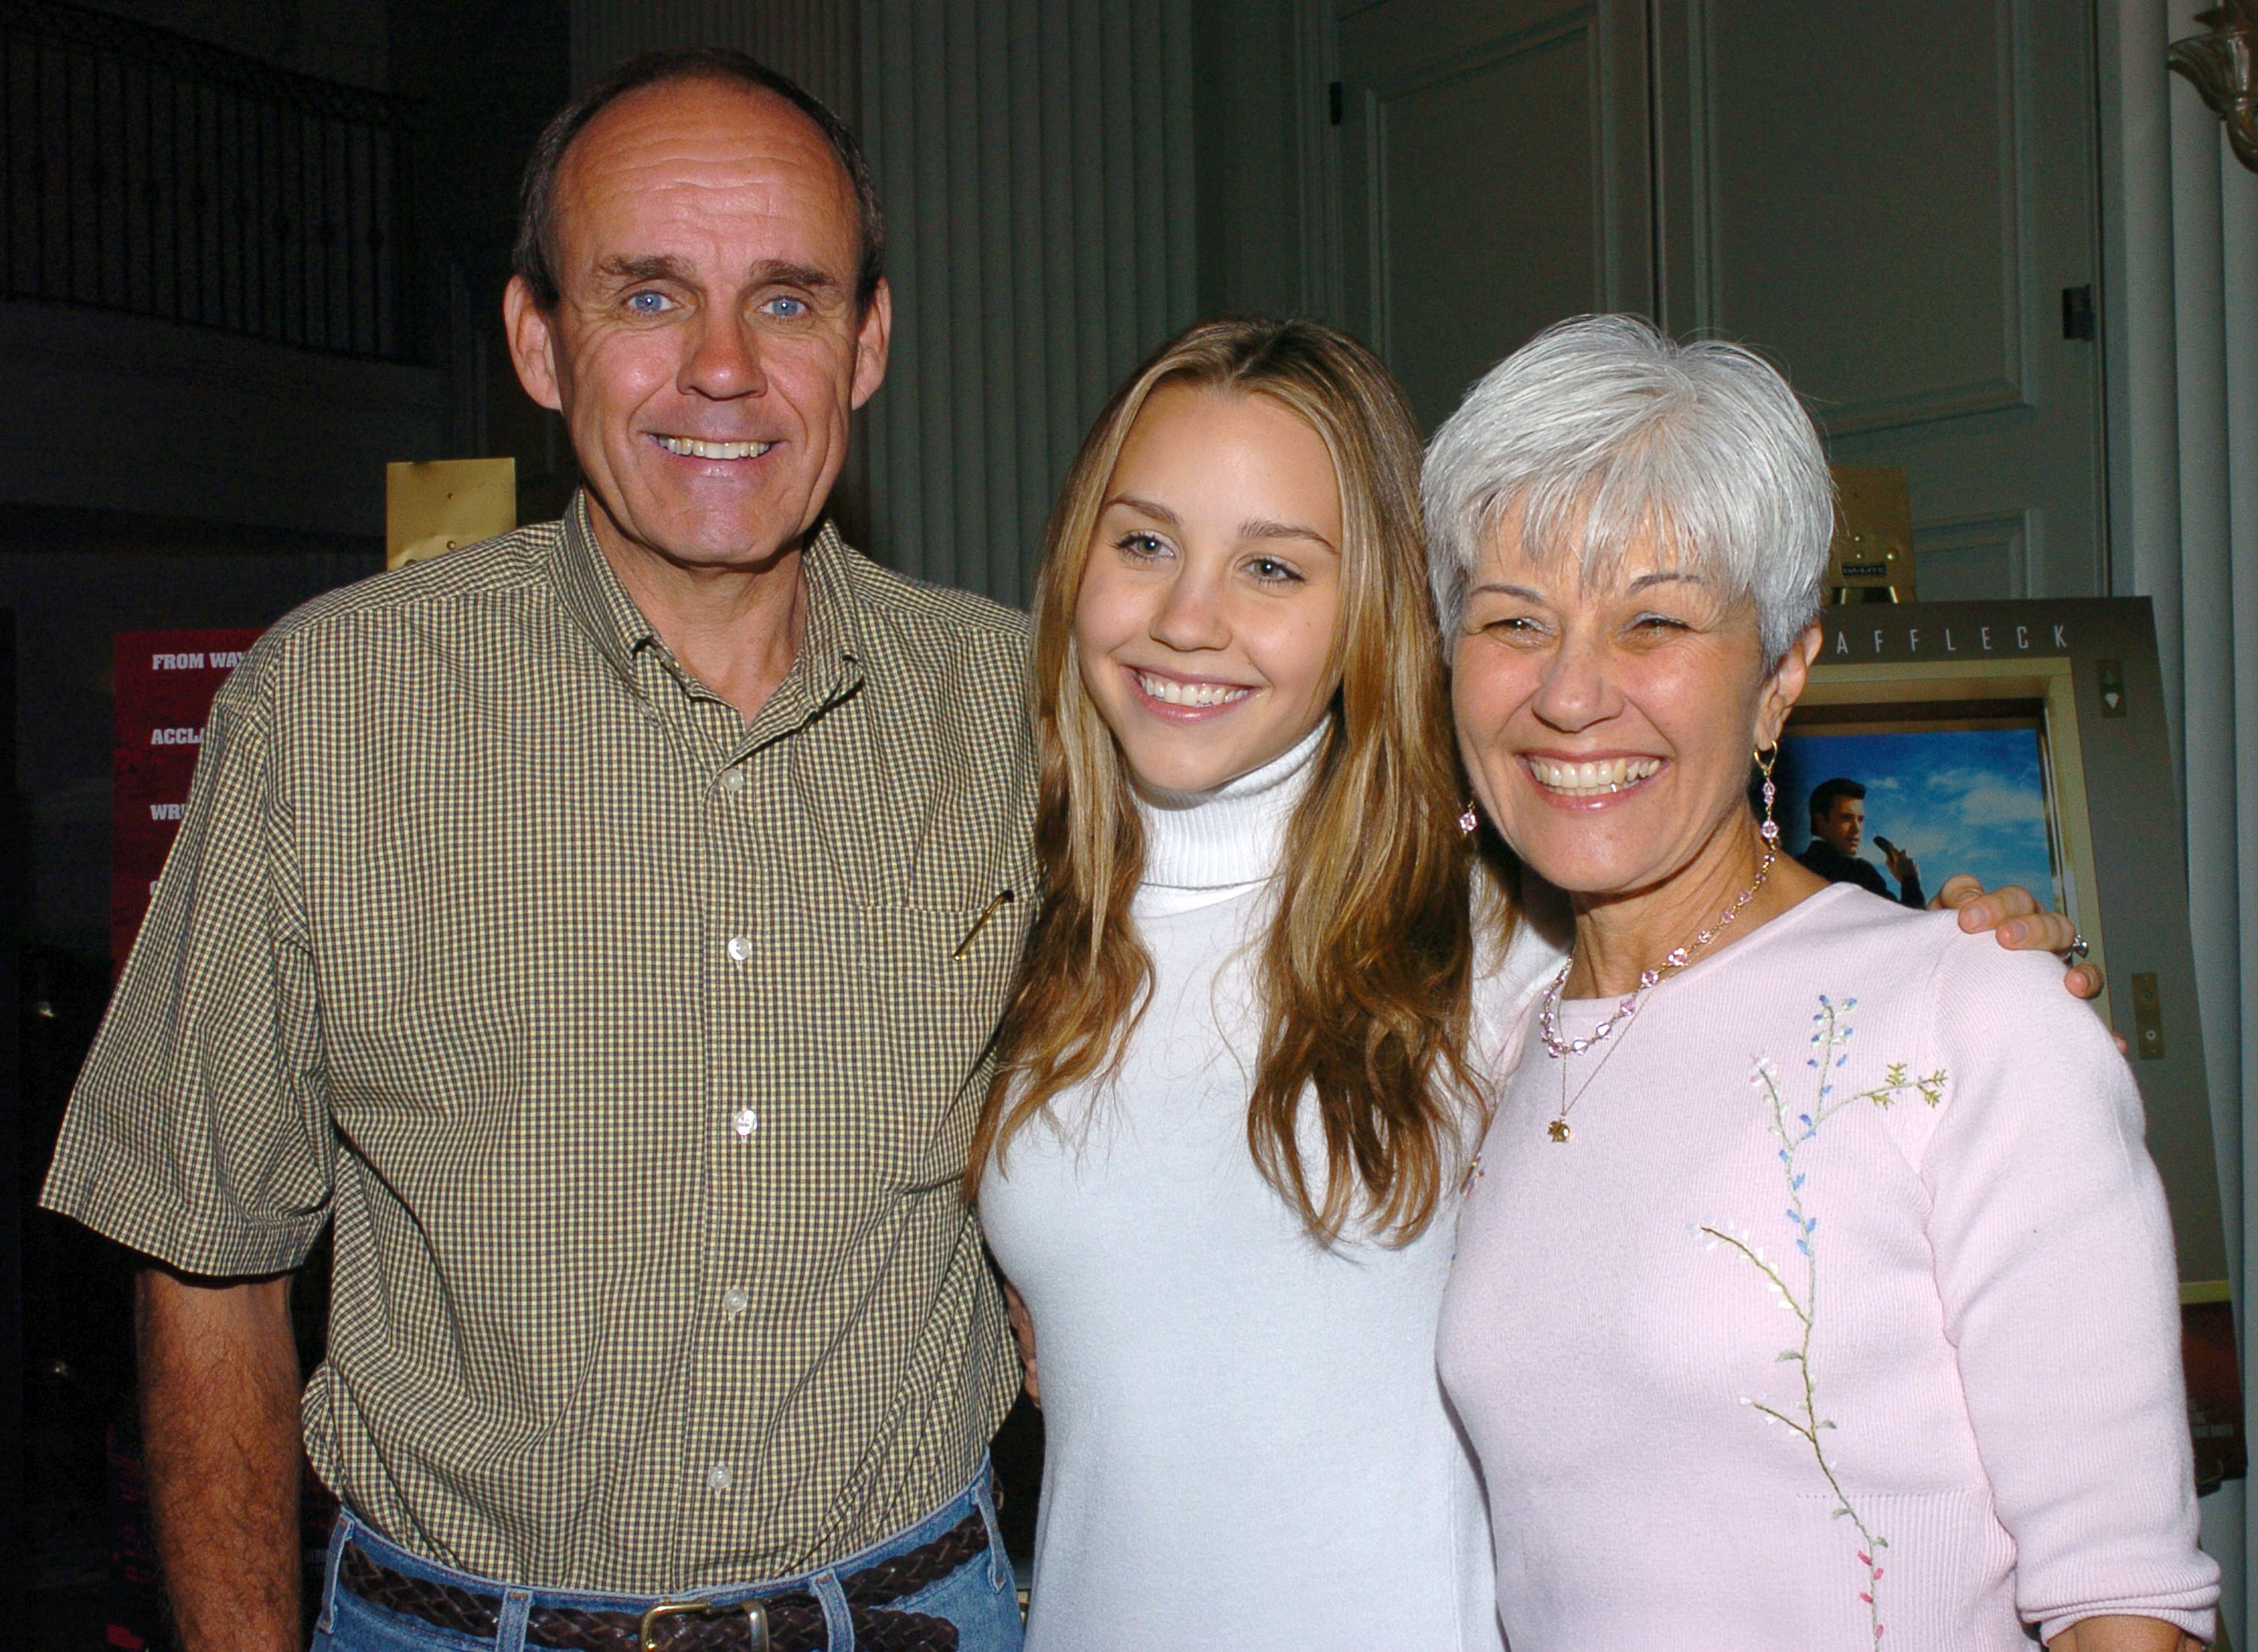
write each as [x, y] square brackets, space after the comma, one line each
[2220, 66]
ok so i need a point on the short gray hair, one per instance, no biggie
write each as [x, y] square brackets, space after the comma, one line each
[1600, 430]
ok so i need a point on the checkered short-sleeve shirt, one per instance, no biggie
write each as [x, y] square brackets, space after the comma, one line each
[631, 1050]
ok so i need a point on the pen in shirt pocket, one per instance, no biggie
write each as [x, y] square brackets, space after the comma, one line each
[979, 924]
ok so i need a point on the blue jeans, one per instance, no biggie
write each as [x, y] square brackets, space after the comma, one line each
[979, 1597]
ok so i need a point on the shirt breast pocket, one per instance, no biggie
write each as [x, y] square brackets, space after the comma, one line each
[938, 978]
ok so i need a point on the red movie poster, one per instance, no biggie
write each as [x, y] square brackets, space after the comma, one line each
[166, 680]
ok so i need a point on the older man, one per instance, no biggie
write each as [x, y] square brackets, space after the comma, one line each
[600, 929]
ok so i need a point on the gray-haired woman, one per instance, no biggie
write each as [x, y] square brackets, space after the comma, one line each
[1813, 1284]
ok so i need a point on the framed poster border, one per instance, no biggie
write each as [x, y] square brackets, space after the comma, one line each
[2092, 664]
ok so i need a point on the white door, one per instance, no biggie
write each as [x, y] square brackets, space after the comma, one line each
[1889, 200]
[1493, 171]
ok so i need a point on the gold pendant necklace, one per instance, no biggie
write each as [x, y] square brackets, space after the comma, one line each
[1558, 1130]
[1548, 1019]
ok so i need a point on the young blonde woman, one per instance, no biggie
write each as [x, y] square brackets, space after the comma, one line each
[1234, 1090]
[1235, 1082]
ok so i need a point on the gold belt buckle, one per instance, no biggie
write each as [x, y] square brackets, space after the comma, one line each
[756, 1618]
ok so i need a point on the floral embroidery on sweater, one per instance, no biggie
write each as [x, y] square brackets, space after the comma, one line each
[1794, 1130]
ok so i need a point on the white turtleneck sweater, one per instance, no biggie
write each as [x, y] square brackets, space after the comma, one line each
[1246, 1443]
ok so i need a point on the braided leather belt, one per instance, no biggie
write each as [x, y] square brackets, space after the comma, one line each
[791, 1621]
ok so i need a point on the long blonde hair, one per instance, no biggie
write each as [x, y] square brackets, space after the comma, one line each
[1366, 974]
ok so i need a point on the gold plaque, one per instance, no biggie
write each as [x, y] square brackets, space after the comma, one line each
[441, 505]
[1873, 557]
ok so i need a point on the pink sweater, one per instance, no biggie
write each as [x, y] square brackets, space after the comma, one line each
[1846, 1316]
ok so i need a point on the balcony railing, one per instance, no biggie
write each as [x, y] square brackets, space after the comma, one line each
[149, 172]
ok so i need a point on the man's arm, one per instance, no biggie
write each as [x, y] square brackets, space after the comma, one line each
[219, 1431]
[1903, 868]
[2123, 1635]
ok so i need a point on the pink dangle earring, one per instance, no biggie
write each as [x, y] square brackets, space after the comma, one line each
[1770, 830]
[1469, 820]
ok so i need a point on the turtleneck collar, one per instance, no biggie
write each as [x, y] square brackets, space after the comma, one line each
[1203, 846]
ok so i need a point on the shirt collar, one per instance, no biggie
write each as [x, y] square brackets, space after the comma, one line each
[593, 592]
[830, 660]
[830, 652]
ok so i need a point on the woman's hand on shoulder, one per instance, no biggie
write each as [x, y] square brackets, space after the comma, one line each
[2020, 923]
[2124, 1634]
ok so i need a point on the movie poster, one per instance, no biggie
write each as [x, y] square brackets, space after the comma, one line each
[1900, 810]
[165, 683]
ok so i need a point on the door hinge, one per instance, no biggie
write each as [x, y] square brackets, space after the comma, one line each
[2077, 312]
[1335, 101]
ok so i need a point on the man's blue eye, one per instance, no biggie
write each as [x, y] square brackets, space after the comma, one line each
[648, 304]
[786, 305]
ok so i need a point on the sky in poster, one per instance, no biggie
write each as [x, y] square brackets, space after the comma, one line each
[1965, 800]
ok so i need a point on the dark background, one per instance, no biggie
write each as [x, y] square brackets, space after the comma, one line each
[236, 530]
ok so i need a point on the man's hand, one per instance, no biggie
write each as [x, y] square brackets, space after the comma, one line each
[2021, 924]
[219, 1435]
[1023, 1328]
[1902, 866]
[2123, 1635]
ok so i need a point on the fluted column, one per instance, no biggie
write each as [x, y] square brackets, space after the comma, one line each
[1036, 160]
[2183, 223]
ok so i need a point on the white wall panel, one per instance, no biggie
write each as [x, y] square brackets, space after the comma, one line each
[1892, 277]
[1036, 160]
[1973, 558]
[1493, 164]
[1892, 202]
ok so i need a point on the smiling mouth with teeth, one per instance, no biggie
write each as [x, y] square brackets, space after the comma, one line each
[1595, 779]
[1169, 692]
[690, 447]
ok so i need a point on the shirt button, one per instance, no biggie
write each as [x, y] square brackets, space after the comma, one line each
[733, 781]
[746, 1122]
[740, 948]
[735, 1301]
[717, 1477]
